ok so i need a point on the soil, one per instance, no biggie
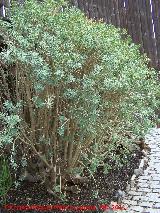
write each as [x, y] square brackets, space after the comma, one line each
[106, 184]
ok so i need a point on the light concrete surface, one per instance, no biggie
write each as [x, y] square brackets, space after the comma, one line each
[144, 196]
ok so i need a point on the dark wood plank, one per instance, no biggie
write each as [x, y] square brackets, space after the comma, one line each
[102, 10]
[156, 20]
[144, 24]
[112, 12]
[151, 42]
[116, 11]
[81, 5]
[129, 17]
[122, 14]
[86, 7]
[138, 39]
[108, 11]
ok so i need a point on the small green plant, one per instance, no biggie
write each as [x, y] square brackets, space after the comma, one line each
[103, 201]
[63, 197]
[95, 194]
[5, 178]
[107, 168]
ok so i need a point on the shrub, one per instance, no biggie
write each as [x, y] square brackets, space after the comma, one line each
[81, 88]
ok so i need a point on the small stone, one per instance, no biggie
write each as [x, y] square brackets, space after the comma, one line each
[145, 204]
[157, 205]
[154, 186]
[138, 172]
[156, 190]
[137, 198]
[130, 202]
[137, 208]
[141, 189]
[144, 185]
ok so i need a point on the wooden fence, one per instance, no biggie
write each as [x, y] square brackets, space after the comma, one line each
[137, 16]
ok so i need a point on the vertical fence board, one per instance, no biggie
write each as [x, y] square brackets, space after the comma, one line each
[138, 27]
[122, 14]
[81, 5]
[156, 19]
[102, 10]
[86, 7]
[151, 42]
[129, 17]
[113, 16]
[95, 8]
[116, 10]
[105, 12]
[91, 14]
[144, 24]
[74, 2]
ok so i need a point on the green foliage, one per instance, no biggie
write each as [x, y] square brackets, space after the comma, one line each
[10, 119]
[82, 86]
[5, 178]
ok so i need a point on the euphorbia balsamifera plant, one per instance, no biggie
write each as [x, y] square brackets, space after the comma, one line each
[79, 88]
